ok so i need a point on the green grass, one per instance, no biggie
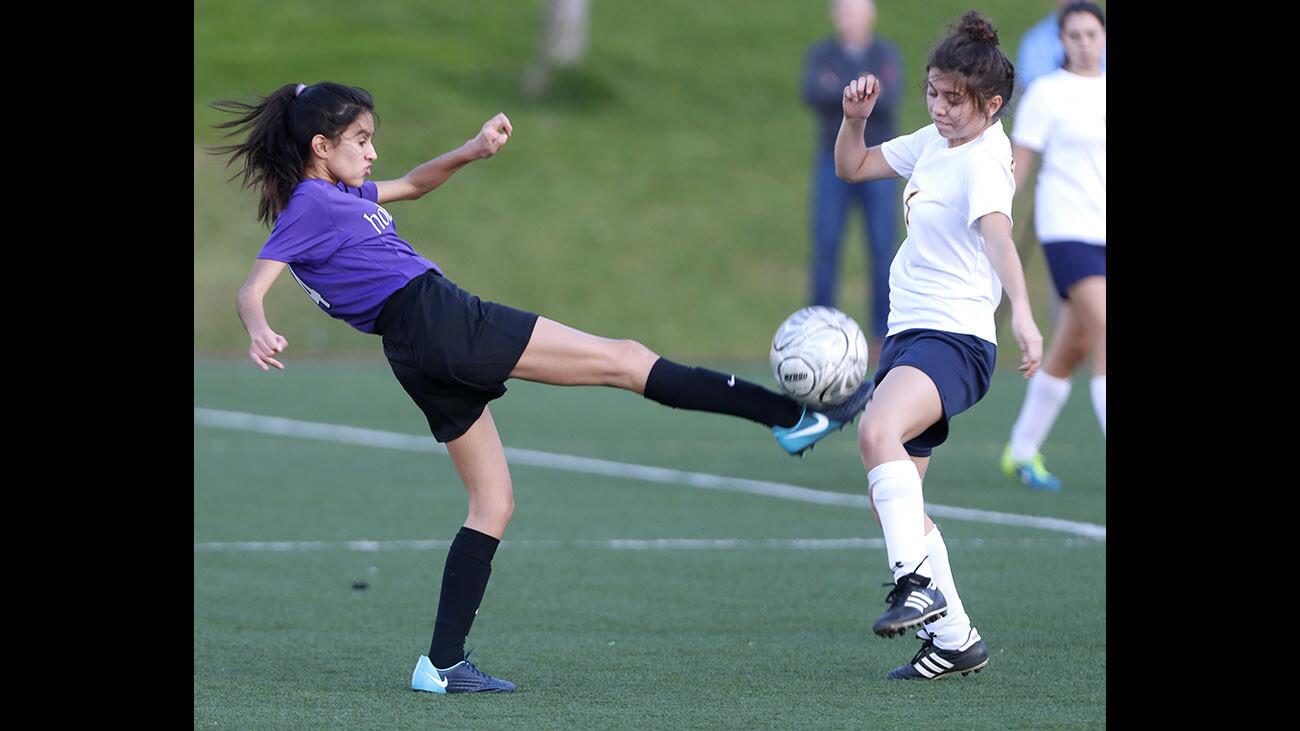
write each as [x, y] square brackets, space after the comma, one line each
[601, 638]
[660, 193]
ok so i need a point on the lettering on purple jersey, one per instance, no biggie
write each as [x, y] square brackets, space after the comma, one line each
[315, 296]
[379, 219]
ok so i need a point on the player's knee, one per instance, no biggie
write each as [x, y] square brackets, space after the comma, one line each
[494, 505]
[1075, 352]
[875, 436]
[630, 361]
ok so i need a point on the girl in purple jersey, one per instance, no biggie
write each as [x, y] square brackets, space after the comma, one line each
[309, 150]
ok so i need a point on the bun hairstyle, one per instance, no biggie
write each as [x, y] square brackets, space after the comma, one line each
[972, 53]
[977, 28]
[280, 129]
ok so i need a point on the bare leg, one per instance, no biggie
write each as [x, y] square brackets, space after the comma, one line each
[562, 356]
[905, 404]
[1088, 296]
[481, 461]
[1070, 343]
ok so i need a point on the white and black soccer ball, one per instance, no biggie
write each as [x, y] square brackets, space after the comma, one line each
[819, 356]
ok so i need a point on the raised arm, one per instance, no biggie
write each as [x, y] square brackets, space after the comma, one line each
[1001, 250]
[248, 303]
[435, 172]
[853, 161]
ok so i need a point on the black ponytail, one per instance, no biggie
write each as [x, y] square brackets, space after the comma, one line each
[280, 129]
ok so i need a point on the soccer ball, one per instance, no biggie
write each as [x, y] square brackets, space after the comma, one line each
[819, 356]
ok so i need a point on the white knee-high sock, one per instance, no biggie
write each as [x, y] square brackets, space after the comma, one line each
[1098, 384]
[1043, 401]
[896, 491]
[952, 630]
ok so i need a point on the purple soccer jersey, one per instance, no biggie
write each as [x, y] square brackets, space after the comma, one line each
[343, 248]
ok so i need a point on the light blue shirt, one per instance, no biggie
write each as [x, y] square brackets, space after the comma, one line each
[1041, 52]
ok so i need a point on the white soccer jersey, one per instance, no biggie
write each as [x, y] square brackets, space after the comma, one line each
[942, 278]
[1063, 117]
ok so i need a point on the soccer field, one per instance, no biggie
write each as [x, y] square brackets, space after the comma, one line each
[710, 592]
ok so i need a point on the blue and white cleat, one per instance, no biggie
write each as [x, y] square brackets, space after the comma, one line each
[462, 677]
[1031, 473]
[813, 426]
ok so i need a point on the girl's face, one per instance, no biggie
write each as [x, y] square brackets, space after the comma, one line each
[1084, 39]
[954, 111]
[348, 157]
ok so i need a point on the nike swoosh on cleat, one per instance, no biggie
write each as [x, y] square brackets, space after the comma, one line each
[731, 381]
[441, 682]
[822, 421]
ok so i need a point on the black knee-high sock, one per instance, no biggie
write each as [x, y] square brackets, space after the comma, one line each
[700, 389]
[464, 578]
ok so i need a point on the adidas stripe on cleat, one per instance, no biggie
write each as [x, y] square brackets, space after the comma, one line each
[912, 602]
[933, 662]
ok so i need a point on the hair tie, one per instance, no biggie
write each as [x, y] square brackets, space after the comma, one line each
[298, 92]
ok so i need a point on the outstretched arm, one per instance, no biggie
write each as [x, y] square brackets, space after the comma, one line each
[1001, 250]
[435, 172]
[853, 161]
[265, 341]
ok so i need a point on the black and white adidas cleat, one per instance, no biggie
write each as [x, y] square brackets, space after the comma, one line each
[912, 602]
[933, 662]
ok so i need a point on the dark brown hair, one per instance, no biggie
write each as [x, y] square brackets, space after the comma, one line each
[1081, 6]
[971, 51]
[280, 129]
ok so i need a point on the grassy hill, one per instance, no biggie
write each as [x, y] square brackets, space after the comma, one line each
[660, 193]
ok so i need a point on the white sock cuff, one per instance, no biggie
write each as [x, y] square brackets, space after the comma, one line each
[1055, 386]
[895, 479]
[1098, 381]
[933, 538]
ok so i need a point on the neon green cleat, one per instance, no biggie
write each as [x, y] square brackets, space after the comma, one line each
[1031, 473]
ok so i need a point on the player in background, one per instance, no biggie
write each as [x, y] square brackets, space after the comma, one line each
[944, 283]
[1041, 51]
[1062, 117]
[309, 150]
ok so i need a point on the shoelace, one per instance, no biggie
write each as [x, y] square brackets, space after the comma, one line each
[926, 647]
[899, 593]
[474, 669]
[889, 598]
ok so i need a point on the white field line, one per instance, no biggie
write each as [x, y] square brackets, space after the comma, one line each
[241, 421]
[631, 544]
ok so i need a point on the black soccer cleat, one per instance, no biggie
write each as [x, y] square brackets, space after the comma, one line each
[912, 602]
[933, 662]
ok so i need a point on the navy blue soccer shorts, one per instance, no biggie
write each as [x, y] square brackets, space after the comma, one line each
[961, 367]
[1070, 261]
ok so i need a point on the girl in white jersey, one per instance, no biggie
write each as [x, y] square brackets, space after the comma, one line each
[939, 353]
[1063, 118]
